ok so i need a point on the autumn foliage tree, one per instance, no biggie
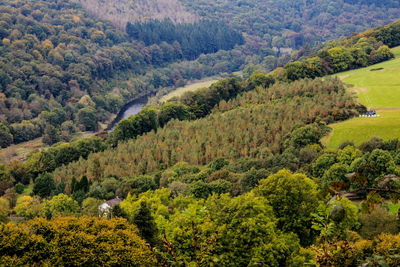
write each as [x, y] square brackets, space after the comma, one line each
[73, 242]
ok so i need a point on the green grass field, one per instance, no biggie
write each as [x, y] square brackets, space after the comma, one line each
[358, 130]
[379, 90]
[187, 88]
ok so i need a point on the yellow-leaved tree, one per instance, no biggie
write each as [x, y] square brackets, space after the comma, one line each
[69, 241]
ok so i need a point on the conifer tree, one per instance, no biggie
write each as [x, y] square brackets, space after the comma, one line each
[145, 222]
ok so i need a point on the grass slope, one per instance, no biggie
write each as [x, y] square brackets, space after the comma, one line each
[190, 87]
[359, 130]
[22, 150]
[379, 90]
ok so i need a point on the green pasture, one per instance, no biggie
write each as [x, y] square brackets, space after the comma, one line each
[359, 130]
[377, 87]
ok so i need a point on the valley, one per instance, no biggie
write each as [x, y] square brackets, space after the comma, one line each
[200, 133]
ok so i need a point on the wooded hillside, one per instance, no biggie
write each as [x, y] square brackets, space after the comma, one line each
[230, 175]
[292, 23]
[256, 129]
[61, 69]
[120, 12]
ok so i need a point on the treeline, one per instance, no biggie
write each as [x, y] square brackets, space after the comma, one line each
[388, 34]
[354, 52]
[188, 40]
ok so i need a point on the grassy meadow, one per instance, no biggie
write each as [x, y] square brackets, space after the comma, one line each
[378, 88]
[358, 130]
[190, 87]
[22, 150]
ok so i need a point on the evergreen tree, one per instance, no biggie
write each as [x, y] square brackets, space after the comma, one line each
[82, 185]
[117, 212]
[194, 39]
[51, 135]
[145, 223]
[44, 185]
[6, 137]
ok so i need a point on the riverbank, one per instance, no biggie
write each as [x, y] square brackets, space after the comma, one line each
[134, 106]
[131, 107]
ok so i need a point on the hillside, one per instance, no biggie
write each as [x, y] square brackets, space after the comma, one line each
[291, 23]
[120, 12]
[256, 129]
[268, 24]
[230, 175]
[377, 88]
[65, 68]
[62, 69]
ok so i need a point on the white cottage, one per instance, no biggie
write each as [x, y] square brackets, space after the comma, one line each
[106, 207]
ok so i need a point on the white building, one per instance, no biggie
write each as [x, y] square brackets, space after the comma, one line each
[106, 207]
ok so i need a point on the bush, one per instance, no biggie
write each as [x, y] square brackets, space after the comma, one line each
[6, 137]
[372, 144]
[377, 222]
[44, 185]
[19, 188]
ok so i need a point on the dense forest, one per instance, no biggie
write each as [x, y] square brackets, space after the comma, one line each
[267, 125]
[289, 23]
[61, 69]
[203, 37]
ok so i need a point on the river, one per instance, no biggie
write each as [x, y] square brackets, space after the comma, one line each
[134, 106]
[131, 108]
